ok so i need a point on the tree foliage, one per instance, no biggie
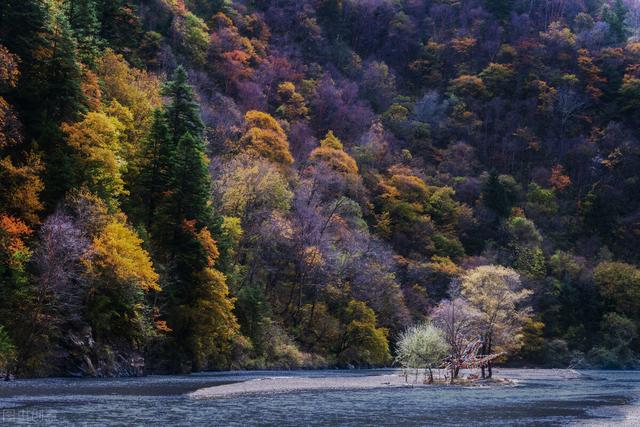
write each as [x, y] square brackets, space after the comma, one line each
[302, 180]
[497, 294]
[422, 347]
[265, 137]
[97, 142]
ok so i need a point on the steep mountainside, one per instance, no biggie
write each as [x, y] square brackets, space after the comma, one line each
[188, 185]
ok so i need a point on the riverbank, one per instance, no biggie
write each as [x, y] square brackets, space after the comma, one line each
[289, 384]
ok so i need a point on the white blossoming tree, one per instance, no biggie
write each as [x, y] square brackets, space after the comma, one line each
[422, 347]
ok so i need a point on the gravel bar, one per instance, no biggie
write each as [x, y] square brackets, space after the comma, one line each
[293, 384]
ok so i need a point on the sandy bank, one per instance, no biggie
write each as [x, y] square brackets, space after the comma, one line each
[293, 384]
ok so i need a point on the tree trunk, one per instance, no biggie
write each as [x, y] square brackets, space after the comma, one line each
[489, 364]
[484, 352]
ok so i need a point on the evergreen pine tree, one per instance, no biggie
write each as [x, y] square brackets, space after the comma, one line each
[121, 27]
[183, 112]
[49, 89]
[175, 158]
[615, 16]
[198, 307]
[62, 94]
[495, 196]
[21, 25]
[190, 183]
[83, 18]
[156, 156]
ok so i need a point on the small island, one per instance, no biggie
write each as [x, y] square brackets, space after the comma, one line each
[284, 384]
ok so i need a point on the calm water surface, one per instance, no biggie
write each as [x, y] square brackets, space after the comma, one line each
[541, 397]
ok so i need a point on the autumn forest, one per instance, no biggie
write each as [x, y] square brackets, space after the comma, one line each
[189, 185]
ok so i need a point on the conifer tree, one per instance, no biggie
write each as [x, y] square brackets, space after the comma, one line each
[184, 181]
[496, 196]
[48, 91]
[156, 155]
[21, 24]
[83, 18]
[199, 309]
[121, 26]
[615, 16]
[183, 112]
[176, 160]
[190, 184]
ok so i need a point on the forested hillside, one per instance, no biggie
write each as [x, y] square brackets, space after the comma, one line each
[209, 184]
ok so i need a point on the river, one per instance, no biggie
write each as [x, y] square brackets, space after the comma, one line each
[539, 397]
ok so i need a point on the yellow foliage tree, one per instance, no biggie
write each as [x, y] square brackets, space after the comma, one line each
[331, 152]
[97, 143]
[467, 86]
[264, 137]
[497, 293]
[498, 78]
[120, 273]
[248, 184]
[135, 89]
[209, 315]
[128, 141]
[118, 253]
[293, 106]
[362, 341]
[21, 188]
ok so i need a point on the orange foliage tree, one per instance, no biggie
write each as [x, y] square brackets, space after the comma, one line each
[264, 137]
